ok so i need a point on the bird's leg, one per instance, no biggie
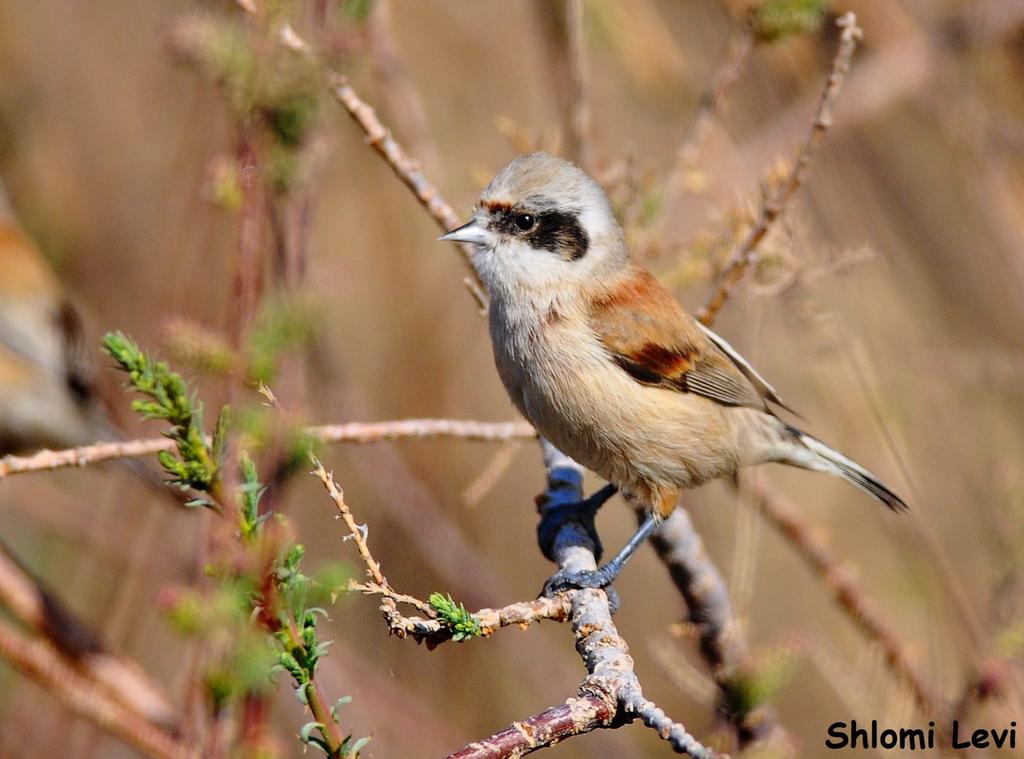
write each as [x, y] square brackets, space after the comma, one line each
[554, 517]
[604, 575]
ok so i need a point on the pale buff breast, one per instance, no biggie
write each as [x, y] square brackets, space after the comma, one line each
[643, 439]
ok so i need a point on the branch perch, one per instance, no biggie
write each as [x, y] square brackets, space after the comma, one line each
[610, 696]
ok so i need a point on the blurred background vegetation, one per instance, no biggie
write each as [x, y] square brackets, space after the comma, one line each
[885, 307]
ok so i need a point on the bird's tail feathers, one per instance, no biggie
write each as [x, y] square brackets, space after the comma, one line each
[830, 460]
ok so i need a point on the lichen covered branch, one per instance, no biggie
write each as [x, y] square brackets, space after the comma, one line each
[610, 695]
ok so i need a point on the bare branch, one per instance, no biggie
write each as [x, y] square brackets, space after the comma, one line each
[404, 167]
[415, 429]
[746, 253]
[431, 630]
[355, 530]
[46, 460]
[353, 432]
[740, 48]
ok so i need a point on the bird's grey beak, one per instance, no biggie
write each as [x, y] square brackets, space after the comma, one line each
[470, 232]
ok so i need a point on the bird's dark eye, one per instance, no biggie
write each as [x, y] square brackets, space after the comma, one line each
[525, 221]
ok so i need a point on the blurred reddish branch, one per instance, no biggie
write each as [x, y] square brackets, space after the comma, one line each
[40, 661]
[37, 608]
[849, 595]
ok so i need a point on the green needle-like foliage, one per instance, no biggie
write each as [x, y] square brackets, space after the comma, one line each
[168, 399]
[776, 19]
[772, 671]
[284, 324]
[455, 616]
[250, 491]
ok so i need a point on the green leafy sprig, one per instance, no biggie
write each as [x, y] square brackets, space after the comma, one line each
[455, 617]
[169, 399]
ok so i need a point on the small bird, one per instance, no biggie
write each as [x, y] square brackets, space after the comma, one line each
[606, 364]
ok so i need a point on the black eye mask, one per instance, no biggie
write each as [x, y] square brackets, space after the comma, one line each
[555, 231]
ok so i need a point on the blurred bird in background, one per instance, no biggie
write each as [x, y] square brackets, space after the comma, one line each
[47, 397]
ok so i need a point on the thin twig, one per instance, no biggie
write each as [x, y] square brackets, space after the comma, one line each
[579, 107]
[416, 429]
[404, 167]
[352, 432]
[38, 660]
[710, 106]
[356, 531]
[746, 253]
[382, 142]
[847, 592]
[474, 493]
[431, 630]
[434, 631]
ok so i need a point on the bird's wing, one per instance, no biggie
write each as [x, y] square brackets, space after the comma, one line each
[652, 339]
[764, 389]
